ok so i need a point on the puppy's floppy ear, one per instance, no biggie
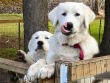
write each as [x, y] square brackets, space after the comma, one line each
[32, 42]
[30, 45]
[53, 16]
[89, 15]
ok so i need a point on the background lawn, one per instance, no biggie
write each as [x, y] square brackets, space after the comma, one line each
[94, 27]
[10, 30]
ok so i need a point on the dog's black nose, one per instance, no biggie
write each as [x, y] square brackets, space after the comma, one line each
[40, 43]
[69, 25]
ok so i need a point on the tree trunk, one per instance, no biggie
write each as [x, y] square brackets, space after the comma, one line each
[35, 18]
[105, 45]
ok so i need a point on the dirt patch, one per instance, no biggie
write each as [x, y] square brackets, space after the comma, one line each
[10, 42]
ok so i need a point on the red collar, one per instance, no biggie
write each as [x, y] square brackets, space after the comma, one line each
[79, 47]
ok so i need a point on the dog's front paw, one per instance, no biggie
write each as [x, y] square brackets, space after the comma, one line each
[31, 74]
[27, 79]
[33, 70]
[21, 55]
[46, 72]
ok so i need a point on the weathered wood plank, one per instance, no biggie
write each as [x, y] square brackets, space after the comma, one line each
[14, 66]
[57, 72]
[10, 21]
[19, 21]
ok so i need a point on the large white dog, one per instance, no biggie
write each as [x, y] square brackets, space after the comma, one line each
[71, 40]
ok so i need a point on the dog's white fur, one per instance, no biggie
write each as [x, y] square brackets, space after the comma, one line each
[34, 54]
[79, 35]
[31, 75]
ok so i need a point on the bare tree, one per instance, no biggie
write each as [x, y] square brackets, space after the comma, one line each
[35, 18]
[105, 45]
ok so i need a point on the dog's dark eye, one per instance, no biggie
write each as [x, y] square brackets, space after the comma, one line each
[77, 14]
[36, 37]
[64, 14]
[46, 38]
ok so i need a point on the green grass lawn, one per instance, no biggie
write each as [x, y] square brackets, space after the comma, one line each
[94, 27]
[8, 53]
[11, 29]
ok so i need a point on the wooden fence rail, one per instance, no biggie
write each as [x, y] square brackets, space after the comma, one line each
[19, 20]
[14, 66]
[10, 21]
[86, 68]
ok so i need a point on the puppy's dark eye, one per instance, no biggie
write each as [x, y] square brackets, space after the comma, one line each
[46, 38]
[64, 14]
[77, 14]
[36, 37]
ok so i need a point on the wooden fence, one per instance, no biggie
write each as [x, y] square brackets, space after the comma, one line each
[85, 68]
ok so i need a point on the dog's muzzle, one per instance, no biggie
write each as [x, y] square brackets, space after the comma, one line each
[66, 29]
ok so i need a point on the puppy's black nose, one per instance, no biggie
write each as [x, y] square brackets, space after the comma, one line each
[40, 43]
[69, 25]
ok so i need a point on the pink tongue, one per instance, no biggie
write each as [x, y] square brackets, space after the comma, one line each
[63, 28]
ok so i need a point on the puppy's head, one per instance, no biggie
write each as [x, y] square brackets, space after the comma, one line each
[39, 41]
[71, 18]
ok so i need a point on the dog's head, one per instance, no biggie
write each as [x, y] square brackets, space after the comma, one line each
[71, 18]
[39, 41]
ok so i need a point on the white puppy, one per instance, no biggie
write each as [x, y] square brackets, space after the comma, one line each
[71, 40]
[38, 47]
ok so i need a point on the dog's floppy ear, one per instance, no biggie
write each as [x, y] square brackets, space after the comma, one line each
[53, 16]
[30, 45]
[89, 15]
